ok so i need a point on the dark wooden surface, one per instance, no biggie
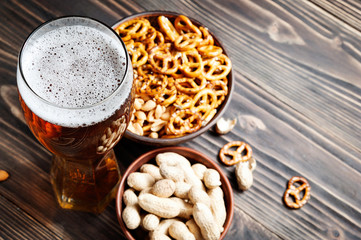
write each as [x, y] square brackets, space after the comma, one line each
[297, 99]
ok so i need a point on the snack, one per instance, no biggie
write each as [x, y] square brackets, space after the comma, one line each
[296, 192]
[177, 66]
[170, 199]
[236, 155]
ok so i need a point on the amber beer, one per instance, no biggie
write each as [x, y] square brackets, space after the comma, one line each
[75, 87]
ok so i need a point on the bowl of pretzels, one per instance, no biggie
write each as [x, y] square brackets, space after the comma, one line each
[182, 77]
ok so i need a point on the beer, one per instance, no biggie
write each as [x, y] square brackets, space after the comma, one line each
[75, 87]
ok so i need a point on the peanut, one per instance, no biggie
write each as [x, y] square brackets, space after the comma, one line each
[140, 181]
[138, 103]
[204, 219]
[179, 231]
[218, 206]
[162, 207]
[163, 188]
[131, 216]
[199, 170]
[197, 195]
[150, 222]
[129, 197]
[193, 228]
[244, 174]
[212, 179]
[160, 233]
[152, 170]
[182, 189]
[186, 209]
[171, 159]
[171, 172]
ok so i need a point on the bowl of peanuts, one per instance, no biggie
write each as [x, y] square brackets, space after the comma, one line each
[174, 193]
[182, 77]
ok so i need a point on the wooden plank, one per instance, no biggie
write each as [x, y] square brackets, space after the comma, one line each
[17, 224]
[297, 100]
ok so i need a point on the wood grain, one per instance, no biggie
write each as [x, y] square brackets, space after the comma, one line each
[297, 99]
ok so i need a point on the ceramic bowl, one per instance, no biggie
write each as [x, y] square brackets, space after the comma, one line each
[194, 157]
[152, 16]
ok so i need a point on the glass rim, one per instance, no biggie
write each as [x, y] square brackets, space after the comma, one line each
[80, 17]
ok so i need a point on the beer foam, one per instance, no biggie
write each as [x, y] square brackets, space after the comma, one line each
[77, 70]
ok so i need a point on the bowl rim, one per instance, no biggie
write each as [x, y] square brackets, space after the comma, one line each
[221, 110]
[149, 156]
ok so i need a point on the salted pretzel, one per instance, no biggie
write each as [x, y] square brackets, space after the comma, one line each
[167, 28]
[242, 153]
[216, 68]
[207, 37]
[191, 63]
[139, 55]
[154, 85]
[177, 65]
[133, 28]
[184, 25]
[183, 101]
[187, 41]
[184, 121]
[296, 192]
[162, 60]
[210, 51]
[190, 85]
[220, 88]
[204, 97]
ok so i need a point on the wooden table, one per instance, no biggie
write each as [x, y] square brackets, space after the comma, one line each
[297, 99]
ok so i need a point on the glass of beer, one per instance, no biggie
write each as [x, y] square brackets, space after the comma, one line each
[75, 83]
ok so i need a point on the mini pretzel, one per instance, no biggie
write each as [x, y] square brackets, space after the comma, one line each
[236, 155]
[133, 28]
[184, 121]
[216, 68]
[187, 41]
[207, 38]
[138, 53]
[185, 25]
[210, 51]
[221, 90]
[204, 97]
[296, 191]
[190, 85]
[192, 64]
[162, 60]
[155, 85]
[167, 28]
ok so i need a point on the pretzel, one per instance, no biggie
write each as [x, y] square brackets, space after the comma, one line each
[183, 101]
[191, 63]
[209, 51]
[168, 95]
[154, 85]
[220, 88]
[184, 121]
[167, 28]
[139, 55]
[236, 155]
[187, 41]
[216, 68]
[296, 191]
[162, 60]
[184, 25]
[190, 85]
[133, 28]
[178, 67]
[207, 38]
[204, 97]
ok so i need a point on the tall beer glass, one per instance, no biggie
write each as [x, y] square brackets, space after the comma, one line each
[75, 83]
